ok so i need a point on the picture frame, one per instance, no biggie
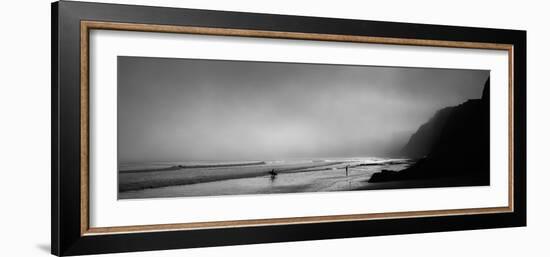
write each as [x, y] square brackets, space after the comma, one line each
[72, 233]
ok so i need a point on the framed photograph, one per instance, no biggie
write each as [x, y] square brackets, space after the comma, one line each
[178, 128]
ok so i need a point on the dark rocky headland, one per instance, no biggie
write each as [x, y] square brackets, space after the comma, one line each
[452, 145]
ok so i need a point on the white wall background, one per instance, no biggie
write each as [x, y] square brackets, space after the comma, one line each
[25, 127]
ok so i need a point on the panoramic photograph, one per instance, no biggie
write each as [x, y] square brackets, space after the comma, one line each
[198, 127]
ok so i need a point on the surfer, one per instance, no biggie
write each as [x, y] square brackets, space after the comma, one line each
[273, 173]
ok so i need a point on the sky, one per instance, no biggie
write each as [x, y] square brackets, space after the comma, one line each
[173, 109]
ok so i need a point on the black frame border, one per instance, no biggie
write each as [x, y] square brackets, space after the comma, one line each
[66, 235]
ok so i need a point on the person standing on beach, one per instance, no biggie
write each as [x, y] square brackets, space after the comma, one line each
[347, 166]
[273, 173]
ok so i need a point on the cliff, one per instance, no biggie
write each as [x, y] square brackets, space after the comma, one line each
[453, 143]
[422, 141]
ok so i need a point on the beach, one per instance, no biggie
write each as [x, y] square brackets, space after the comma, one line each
[254, 177]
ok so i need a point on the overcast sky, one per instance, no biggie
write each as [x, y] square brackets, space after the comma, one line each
[188, 109]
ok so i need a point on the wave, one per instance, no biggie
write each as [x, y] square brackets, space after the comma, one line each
[193, 166]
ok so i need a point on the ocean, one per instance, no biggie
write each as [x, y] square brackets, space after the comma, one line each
[214, 178]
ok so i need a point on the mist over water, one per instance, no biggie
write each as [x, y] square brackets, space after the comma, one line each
[188, 109]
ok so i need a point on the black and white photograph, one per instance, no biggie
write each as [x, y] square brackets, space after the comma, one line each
[198, 127]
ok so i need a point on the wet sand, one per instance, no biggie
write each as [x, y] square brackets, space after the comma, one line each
[317, 177]
[185, 176]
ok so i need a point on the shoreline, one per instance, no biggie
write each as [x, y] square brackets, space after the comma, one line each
[132, 181]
